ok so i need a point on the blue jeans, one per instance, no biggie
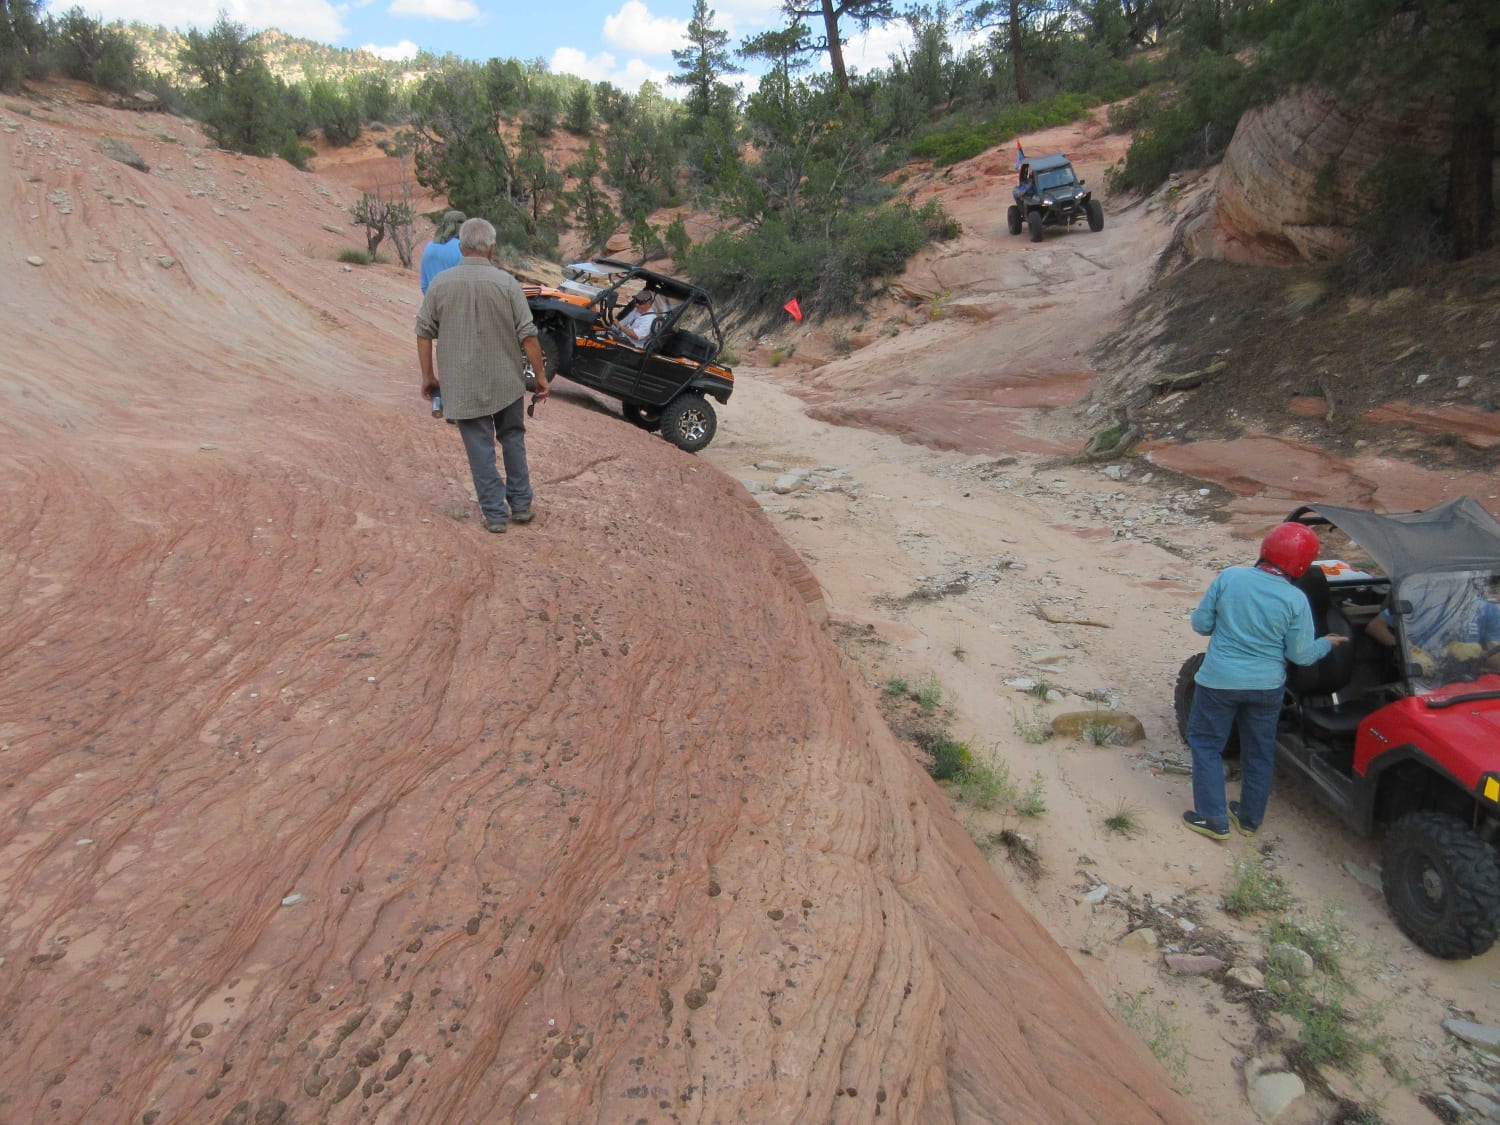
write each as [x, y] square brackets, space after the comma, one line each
[1216, 712]
[499, 498]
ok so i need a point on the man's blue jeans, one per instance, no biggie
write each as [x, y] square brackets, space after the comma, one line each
[498, 499]
[1216, 712]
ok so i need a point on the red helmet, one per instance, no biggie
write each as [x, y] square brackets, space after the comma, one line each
[1290, 548]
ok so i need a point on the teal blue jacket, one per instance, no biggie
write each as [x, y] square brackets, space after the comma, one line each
[1255, 622]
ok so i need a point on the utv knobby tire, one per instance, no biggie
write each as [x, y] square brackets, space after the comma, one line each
[1034, 221]
[1096, 214]
[551, 352]
[1182, 702]
[1013, 219]
[1442, 885]
[689, 422]
[647, 418]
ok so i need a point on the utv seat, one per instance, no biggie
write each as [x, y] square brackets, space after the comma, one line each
[1333, 673]
[687, 345]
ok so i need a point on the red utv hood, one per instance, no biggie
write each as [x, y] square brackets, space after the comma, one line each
[1462, 739]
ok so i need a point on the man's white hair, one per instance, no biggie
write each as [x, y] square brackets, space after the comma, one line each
[476, 236]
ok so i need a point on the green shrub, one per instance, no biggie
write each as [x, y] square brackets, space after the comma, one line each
[1193, 128]
[23, 41]
[928, 694]
[985, 786]
[1032, 725]
[1255, 889]
[354, 256]
[950, 759]
[951, 143]
[1168, 1041]
[91, 51]
[1124, 821]
[830, 268]
[1034, 801]
[1333, 1028]
[1402, 228]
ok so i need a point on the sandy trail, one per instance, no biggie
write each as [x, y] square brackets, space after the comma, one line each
[1132, 555]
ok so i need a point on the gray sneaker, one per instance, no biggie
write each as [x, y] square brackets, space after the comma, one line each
[522, 517]
[1200, 825]
[497, 528]
[1245, 827]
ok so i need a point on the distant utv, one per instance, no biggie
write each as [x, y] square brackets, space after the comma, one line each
[1050, 194]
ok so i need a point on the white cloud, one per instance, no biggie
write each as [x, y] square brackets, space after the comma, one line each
[604, 67]
[742, 18]
[453, 10]
[570, 60]
[405, 49]
[871, 50]
[633, 28]
[308, 19]
[637, 71]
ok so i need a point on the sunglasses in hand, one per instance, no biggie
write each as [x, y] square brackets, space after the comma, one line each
[531, 410]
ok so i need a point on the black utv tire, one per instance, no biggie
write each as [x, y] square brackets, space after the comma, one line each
[551, 353]
[1096, 214]
[1034, 221]
[1442, 885]
[689, 422]
[1013, 219]
[1182, 702]
[647, 418]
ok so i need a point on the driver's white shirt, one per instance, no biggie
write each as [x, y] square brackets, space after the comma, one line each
[639, 323]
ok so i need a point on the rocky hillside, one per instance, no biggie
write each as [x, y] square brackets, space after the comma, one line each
[323, 804]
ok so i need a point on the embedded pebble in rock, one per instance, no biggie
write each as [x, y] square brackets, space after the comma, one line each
[1271, 1092]
[1112, 728]
[1479, 1035]
[1294, 962]
[1248, 976]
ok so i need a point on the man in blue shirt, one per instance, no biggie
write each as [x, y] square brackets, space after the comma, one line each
[1452, 628]
[442, 252]
[1255, 620]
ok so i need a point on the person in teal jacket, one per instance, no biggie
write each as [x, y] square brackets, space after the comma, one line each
[443, 251]
[1256, 621]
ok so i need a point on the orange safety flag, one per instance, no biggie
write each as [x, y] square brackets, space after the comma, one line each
[794, 308]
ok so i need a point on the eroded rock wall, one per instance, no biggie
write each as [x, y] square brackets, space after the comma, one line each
[1287, 189]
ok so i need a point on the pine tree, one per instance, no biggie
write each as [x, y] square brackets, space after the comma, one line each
[704, 63]
[829, 13]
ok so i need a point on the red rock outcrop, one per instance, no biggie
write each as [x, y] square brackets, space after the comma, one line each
[1288, 187]
[320, 804]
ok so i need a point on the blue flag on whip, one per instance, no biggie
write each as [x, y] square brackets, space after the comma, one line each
[1020, 156]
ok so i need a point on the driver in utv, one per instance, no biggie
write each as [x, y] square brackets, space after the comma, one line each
[637, 324]
[1255, 620]
[1452, 626]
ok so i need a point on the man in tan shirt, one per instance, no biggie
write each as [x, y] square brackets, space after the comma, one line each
[478, 315]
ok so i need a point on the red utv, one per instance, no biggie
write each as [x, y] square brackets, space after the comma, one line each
[1405, 739]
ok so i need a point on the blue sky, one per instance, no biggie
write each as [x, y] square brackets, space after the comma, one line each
[621, 41]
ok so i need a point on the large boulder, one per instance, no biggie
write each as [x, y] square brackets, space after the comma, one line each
[1288, 187]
